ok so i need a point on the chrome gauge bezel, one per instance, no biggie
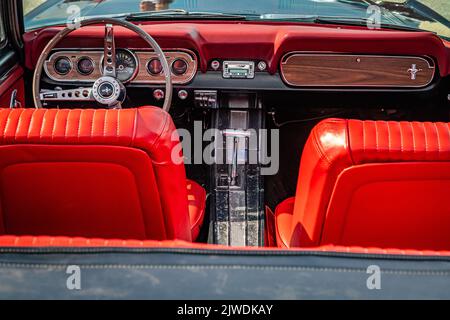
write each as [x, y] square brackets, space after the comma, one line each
[78, 65]
[63, 58]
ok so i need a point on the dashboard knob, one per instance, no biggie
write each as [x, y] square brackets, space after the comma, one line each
[262, 66]
[159, 94]
[215, 65]
[183, 94]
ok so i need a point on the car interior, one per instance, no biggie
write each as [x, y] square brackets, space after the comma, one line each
[94, 120]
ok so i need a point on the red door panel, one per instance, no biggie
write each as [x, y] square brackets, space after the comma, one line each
[12, 81]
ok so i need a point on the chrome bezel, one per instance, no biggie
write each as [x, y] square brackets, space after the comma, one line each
[78, 65]
[181, 74]
[154, 74]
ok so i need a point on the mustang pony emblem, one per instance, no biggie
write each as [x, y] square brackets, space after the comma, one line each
[413, 71]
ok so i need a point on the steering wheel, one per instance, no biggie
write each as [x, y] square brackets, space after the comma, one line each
[108, 90]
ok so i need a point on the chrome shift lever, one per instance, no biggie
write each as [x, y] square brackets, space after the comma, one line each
[238, 151]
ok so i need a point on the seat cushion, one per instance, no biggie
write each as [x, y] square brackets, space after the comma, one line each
[197, 205]
[372, 183]
[283, 221]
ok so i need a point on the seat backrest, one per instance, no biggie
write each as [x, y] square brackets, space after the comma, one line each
[374, 184]
[92, 173]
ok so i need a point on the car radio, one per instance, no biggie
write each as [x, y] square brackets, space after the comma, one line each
[238, 69]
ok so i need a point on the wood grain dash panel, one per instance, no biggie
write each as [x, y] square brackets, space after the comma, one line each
[339, 70]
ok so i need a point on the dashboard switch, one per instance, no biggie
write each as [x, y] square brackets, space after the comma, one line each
[206, 99]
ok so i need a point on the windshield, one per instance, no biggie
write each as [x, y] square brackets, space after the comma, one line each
[431, 15]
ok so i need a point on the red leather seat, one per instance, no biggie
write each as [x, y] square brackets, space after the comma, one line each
[95, 174]
[371, 184]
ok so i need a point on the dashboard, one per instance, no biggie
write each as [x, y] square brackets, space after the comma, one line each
[249, 56]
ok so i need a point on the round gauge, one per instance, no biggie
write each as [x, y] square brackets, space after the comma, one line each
[126, 65]
[63, 65]
[85, 66]
[154, 67]
[179, 67]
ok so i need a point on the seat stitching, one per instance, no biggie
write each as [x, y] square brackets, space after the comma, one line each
[376, 137]
[79, 125]
[67, 124]
[118, 125]
[389, 137]
[413, 138]
[135, 127]
[438, 139]
[19, 121]
[448, 132]
[54, 124]
[92, 124]
[164, 128]
[104, 123]
[42, 124]
[364, 136]
[347, 139]
[4, 127]
[29, 126]
[401, 136]
[15, 129]
[319, 149]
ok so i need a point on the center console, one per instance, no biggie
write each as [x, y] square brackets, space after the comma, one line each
[236, 183]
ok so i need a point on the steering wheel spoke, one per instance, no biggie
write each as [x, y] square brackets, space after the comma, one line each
[80, 95]
[109, 68]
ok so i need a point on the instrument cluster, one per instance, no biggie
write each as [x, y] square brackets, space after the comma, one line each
[139, 67]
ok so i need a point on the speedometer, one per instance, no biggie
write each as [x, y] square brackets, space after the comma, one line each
[126, 65]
